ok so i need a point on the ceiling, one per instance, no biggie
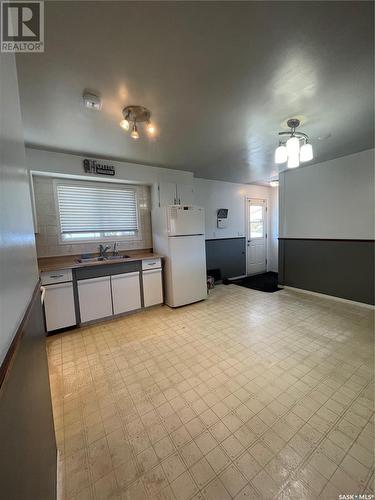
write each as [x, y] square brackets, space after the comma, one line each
[219, 77]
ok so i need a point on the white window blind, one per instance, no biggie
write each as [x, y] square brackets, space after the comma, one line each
[99, 210]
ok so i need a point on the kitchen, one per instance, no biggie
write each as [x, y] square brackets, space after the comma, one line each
[61, 204]
[187, 250]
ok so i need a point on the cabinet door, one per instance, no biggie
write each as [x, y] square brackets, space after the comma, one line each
[152, 287]
[185, 194]
[59, 306]
[95, 298]
[167, 194]
[126, 292]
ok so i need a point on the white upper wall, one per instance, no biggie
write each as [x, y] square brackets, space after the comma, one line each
[213, 195]
[333, 200]
[273, 262]
[207, 193]
[71, 165]
[18, 274]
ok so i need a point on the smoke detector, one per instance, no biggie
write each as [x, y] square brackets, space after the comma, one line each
[92, 101]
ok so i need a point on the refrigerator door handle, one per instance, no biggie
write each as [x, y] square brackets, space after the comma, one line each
[184, 235]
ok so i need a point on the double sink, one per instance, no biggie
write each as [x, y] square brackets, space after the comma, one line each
[103, 259]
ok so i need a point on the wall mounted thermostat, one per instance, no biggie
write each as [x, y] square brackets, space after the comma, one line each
[222, 218]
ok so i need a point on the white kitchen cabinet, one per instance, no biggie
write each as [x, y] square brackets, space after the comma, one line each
[185, 194]
[171, 193]
[126, 292]
[95, 299]
[167, 194]
[59, 276]
[59, 306]
[151, 263]
[152, 287]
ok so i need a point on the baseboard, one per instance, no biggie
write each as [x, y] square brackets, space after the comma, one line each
[330, 297]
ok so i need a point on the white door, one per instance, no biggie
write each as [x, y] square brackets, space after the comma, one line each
[186, 264]
[167, 194]
[256, 212]
[126, 292]
[59, 306]
[95, 299]
[185, 194]
[152, 287]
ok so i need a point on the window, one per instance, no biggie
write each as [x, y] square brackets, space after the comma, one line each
[89, 211]
[256, 221]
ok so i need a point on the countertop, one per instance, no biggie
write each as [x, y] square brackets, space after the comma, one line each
[47, 264]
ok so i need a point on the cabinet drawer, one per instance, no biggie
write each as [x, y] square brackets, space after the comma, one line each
[59, 276]
[150, 263]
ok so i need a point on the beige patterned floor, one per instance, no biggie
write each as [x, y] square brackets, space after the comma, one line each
[246, 395]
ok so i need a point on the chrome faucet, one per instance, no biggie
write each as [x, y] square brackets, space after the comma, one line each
[115, 251]
[103, 250]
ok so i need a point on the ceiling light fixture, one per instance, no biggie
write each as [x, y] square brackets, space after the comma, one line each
[292, 151]
[134, 133]
[125, 124]
[274, 183]
[151, 128]
[133, 115]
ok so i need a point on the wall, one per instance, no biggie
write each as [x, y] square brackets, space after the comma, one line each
[47, 240]
[274, 232]
[71, 165]
[334, 199]
[327, 227]
[28, 453]
[19, 273]
[48, 164]
[28, 447]
[226, 248]
[230, 256]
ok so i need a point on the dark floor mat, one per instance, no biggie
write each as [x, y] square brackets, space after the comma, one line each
[266, 282]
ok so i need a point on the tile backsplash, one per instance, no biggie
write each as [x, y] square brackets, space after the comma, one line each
[47, 238]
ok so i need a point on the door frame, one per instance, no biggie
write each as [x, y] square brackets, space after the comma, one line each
[266, 220]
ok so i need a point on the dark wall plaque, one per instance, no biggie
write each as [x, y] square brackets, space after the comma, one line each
[95, 167]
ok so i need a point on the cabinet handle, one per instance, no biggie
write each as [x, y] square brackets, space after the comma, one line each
[43, 294]
[56, 275]
[124, 275]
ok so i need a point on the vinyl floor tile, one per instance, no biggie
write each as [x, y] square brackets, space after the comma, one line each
[245, 395]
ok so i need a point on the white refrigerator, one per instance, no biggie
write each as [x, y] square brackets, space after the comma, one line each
[178, 235]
